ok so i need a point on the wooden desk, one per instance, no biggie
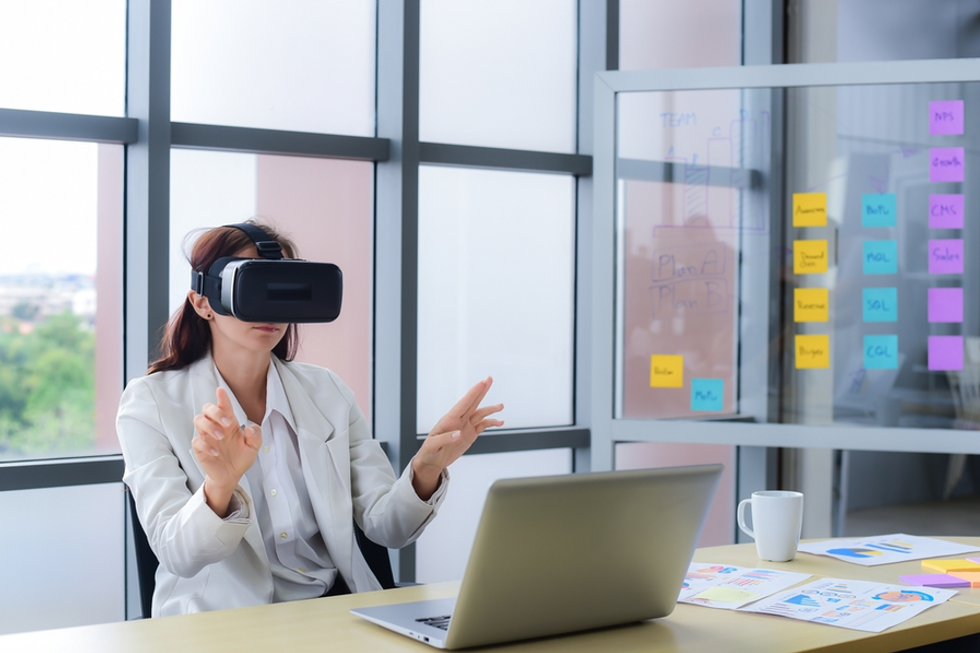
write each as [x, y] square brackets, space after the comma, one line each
[326, 625]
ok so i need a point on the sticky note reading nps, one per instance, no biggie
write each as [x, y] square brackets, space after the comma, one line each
[809, 256]
[946, 117]
[811, 305]
[666, 371]
[809, 209]
[812, 352]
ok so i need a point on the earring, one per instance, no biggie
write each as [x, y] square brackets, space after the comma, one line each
[209, 316]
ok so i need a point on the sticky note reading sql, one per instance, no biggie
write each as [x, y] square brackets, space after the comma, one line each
[809, 209]
[809, 256]
[812, 352]
[666, 371]
[810, 305]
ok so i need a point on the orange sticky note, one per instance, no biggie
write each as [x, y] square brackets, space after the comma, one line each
[812, 352]
[666, 371]
[810, 305]
[972, 577]
[809, 209]
[809, 256]
[949, 566]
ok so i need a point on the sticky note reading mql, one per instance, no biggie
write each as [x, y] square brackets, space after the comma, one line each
[946, 256]
[666, 371]
[946, 117]
[881, 352]
[880, 304]
[946, 164]
[707, 395]
[878, 210]
[809, 256]
[809, 209]
[812, 352]
[811, 305]
[880, 257]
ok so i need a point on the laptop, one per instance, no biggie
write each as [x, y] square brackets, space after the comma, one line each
[560, 554]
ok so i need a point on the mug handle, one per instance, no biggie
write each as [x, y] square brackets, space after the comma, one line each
[741, 517]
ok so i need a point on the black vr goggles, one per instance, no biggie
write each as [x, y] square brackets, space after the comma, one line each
[271, 288]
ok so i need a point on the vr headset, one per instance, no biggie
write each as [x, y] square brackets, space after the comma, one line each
[271, 288]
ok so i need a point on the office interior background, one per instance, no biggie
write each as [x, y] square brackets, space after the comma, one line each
[439, 151]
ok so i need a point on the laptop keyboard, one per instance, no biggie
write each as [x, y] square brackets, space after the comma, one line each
[436, 622]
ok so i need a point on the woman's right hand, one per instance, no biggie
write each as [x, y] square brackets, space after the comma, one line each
[224, 450]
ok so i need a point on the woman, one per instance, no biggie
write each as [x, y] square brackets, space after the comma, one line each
[249, 470]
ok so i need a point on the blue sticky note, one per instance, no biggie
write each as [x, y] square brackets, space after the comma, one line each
[878, 210]
[880, 304]
[707, 395]
[880, 256]
[881, 352]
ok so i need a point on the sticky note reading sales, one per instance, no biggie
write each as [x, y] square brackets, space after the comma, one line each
[946, 256]
[809, 256]
[812, 352]
[707, 395]
[945, 304]
[666, 371]
[880, 257]
[881, 352]
[945, 211]
[880, 304]
[811, 305]
[809, 209]
[878, 210]
[946, 164]
[946, 353]
[946, 117]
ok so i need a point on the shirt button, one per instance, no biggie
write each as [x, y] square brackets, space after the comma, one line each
[283, 535]
[274, 492]
[265, 449]
[302, 570]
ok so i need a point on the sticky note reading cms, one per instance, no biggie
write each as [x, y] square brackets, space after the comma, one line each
[666, 371]
[880, 257]
[811, 305]
[946, 117]
[945, 304]
[946, 164]
[881, 352]
[946, 211]
[809, 209]
[880, 304]
[809, 256]
[946, 353]
[707, 395]
[878, 210]
[812, 352]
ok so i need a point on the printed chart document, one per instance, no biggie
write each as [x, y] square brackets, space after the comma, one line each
[885, 549]
[854, 604]
[730, 587]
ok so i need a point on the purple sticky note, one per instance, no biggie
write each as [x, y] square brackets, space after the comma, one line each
[946, 164]
[946, 353]
[946, 256]
[945, 211]
[934, 580]
[945, 304]
[946, 117]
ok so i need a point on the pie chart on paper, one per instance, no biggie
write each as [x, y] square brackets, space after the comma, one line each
[855, 553]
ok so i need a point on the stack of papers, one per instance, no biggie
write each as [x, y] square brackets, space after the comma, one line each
[885, 549]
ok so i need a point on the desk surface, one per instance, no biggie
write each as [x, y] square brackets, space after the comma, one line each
[326, 625]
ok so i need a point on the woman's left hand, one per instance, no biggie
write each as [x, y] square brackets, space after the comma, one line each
[452, 436]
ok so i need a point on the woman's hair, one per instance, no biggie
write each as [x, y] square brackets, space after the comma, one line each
[187, 336]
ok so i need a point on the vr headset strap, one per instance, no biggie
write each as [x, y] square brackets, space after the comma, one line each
[209, 283]
[267, 247]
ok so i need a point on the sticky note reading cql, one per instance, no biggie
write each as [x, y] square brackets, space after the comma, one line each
[809, 209]
[810, 305]
[666, 371]
[809, 256]
[812, 352]
[881, 352]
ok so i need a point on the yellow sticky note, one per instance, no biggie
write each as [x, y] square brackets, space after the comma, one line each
[809, 209]
[810, 305]
[812, 352]
[666, 371]
[809, 256]
[948, 566]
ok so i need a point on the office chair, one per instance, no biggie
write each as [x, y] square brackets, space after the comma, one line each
[147, 563]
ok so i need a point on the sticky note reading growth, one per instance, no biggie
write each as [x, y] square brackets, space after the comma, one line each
[878, 210]
[880, 257]
[945, 211]
[945, 304]
[946, 353]
[666, 371]
[946, 117]
[809, 256]
[881, 352]
[946, 164]
[809, 209]
[946, 256]
[810, 305]
[812, 352]
[707, 395]
[880, 304]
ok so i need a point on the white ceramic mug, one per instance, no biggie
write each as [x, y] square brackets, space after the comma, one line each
[777, 518]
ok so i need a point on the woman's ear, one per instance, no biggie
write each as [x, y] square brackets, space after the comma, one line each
[201, 305]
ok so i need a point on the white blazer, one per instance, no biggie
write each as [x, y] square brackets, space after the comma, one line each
[207, 563]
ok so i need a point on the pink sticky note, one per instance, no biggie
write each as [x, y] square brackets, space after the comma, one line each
[934, 580]
[946, 353]
[945, 211]
[946, 164]
[946, 117]
[946, 256]
[945, 304]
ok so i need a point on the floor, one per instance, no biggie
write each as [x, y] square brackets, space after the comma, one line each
[953, 517]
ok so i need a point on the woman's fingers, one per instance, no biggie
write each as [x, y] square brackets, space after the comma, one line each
[480, 415]
[471, 399]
